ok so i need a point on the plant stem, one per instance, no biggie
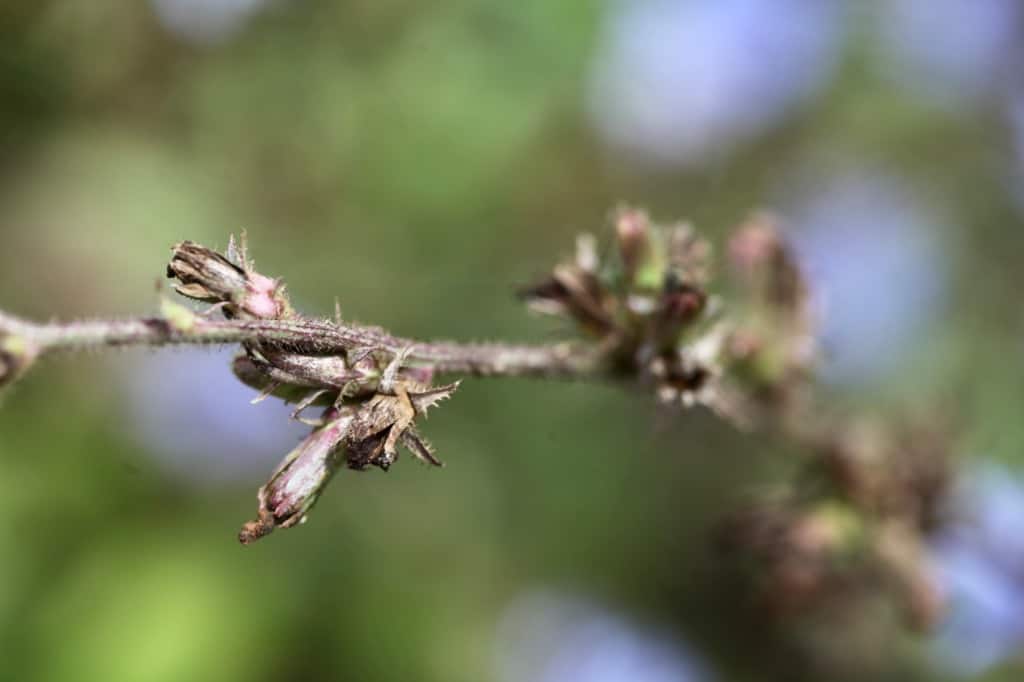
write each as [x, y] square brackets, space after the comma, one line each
[305, 336]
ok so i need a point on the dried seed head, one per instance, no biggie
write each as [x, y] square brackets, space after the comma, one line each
[382, 422]
[648, 306]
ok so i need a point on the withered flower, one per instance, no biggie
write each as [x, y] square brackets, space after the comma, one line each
[359, 433]
[207, 276]
[298, 481]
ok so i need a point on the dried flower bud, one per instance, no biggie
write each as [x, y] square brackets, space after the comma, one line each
[205, 275]
[297, 483]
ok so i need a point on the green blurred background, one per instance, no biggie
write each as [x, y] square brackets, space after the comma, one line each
[418, 160]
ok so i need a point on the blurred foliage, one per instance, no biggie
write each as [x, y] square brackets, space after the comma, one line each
[416, 160]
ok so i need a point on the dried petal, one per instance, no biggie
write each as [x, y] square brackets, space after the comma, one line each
[204, 274]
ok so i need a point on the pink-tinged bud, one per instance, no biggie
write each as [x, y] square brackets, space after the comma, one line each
[16, 355]
[205, 275]
[261, 299]
[762, 260]
[297, 483]
[755, 244]
[632, 228]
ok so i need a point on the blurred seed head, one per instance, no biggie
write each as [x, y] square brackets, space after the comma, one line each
[648, 304]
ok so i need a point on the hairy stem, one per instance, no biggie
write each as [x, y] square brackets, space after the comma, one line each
[302, 336]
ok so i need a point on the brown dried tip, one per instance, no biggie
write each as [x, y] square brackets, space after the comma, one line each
[254, 530]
